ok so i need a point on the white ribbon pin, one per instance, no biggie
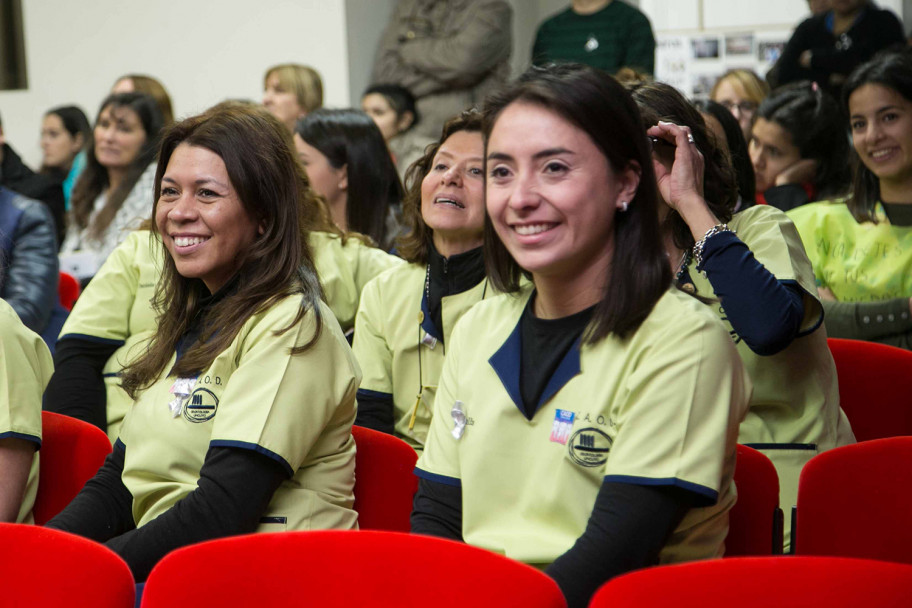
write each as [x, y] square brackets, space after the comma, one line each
[459, 420]
[181, 390]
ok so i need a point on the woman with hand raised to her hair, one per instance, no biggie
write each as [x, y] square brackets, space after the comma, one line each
[245, 395]
[585, 421]
[751, 269]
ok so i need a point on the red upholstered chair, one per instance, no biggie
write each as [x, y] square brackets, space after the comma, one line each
[385, 483]
[334, 569]
[755, 522]
[856, 501]
[875, 387]
[71, 453]
[40, 567]
[762, 582]
[68, 290]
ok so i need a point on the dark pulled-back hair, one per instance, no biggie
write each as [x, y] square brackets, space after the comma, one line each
[271, 185]
[893, 70]
[660, 101]
[598, 105]
[75, 122]
[737, 148]
[818, 129]
[352, 139]
[94, 178]
[398, 97]
[413, 245]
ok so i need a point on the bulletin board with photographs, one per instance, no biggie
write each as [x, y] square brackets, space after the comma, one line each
[692, 64]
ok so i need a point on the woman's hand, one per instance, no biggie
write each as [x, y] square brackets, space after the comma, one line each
[678, 164]
[800, 172]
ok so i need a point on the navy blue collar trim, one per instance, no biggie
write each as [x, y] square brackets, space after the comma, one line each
[506, 364]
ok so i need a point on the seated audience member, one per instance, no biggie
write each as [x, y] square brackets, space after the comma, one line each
[22, 180]
[139, 83]
[826, 47]
[751, 269]
[65, 133]
[114, 317]
[257, 377]
[740, 92]
[799, 147]
[114, 192]
[25, 366]
[450, 55]
[407, 315]
[392, 107]
[291, 91]
[606, 34]
[727, 133]
[347, 164]
[585, 423]
[29, 273]
[861, 248]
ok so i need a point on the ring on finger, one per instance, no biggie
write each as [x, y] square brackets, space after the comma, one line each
[690, 138]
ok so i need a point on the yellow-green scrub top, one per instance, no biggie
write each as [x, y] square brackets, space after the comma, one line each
[25, 369]
[661, 407]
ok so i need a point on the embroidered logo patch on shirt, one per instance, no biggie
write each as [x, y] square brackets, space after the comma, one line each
[201, 406]
[563, 425]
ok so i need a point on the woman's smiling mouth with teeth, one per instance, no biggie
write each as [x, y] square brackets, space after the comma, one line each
[529, 229]
[186, 241]
[449, 201]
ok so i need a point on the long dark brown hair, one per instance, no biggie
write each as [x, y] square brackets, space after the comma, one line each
[413, 245]
[94, 178]
[893, 70]
[659, 101]
[597, 104]
[273, 189]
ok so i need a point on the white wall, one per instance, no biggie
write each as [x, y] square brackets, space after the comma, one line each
[365, 20]
[202, 50]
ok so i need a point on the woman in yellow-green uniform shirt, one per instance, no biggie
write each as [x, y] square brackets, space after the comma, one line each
[243, 399]
[407, 314]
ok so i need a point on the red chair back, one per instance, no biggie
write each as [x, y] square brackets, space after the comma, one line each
[761, 582]
[875, 387]
[385, 481]
[755, 522]
[68, 290]
[856, 501]
[334, 569]
[71, 453]
[44, 568]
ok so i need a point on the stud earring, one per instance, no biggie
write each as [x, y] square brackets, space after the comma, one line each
[623, 206]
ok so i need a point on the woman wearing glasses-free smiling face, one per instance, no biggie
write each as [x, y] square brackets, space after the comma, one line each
[552, 395]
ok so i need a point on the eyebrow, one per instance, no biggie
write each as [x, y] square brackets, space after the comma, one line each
[877, 111]
[449, 155]
[536, 156]
[199, 182]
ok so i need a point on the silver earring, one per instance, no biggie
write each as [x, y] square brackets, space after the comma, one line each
[623, 206]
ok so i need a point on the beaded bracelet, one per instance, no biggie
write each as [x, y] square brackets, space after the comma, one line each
[698, 246]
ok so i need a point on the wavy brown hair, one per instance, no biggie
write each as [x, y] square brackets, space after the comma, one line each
[659, 101]
[273, 189]
[597, 104]
[94, 178]
[413, 245]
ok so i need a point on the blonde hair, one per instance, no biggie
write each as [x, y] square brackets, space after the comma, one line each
[754, 88]
[302, 80]
[156, 90]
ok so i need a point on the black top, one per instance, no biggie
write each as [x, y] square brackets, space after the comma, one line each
[19, 178]
[544, 342]
[874, 29]
[899, 214]
[448, 276]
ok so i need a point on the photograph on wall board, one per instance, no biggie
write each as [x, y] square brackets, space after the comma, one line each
[705, 48]
[739, 44]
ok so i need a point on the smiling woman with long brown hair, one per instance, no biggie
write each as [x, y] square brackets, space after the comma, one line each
[245, 395]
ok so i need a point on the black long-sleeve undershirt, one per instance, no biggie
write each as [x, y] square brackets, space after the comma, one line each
[375, 411]
[77, 388]
[233, 491]
[627, 529]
